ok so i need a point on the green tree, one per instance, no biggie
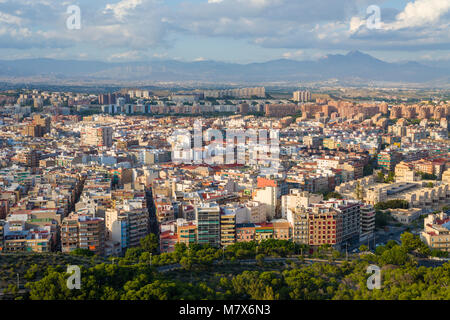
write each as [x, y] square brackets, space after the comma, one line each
[363, 248]
[260, 260]
[150, 243]
[82, 252]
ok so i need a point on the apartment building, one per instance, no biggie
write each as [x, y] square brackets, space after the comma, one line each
[317, 226]
[298, 198]
[127, 225]
[2, 225]
[387, 160]
[367, 221]
[332, 222]
[207, 216]
[97, 137]
[43, 122]
[245, 232]
[301, 96]
[16, 237]
[281, 110]
[282, 229]
[405, 172]
[269, 197]
[227, 229]
[187, 232]
[84, 232]
[436, 232]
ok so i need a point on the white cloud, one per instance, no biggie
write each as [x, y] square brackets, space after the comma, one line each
[420, 13]
[130, 27]
[9, 19]
[123, 8]
[126, 56]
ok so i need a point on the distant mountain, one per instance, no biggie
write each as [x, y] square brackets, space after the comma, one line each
[354, 66]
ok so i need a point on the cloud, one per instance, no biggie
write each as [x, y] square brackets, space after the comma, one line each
[127, 56]
[416, 13]
[293, 55]
[420, 12]
[123, 8]
[6, 18]
[131, 29]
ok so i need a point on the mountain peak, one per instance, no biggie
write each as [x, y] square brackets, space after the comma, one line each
[357, 53]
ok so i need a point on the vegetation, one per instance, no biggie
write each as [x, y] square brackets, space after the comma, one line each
[386, 179]
[427, 176]
[82, 252]
[392, 204]
[205, 276]
[402, 278]
[332, 195]
[382, 219]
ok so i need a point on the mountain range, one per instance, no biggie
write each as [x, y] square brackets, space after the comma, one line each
[354, 66]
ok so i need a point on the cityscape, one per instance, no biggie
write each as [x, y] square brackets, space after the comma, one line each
[197, 180]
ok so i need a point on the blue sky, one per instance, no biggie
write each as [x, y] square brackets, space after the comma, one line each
[240, 31]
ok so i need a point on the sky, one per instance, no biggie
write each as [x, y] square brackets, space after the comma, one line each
[240, 31]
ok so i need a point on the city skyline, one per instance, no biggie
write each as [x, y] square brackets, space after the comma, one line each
[243, 151]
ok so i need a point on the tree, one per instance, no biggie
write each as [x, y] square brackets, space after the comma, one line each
[51, 287]
[390, 177]
[363, 248]
[392, 204]
[333, 195]
[381, 219]
[412, 243]
[395, 255]
[150, 243]
[186, 263]
[260, 259]
[82, 252]
[380, 176]
[427, 176]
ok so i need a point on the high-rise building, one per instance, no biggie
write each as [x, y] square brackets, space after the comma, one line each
[97, 136]
[207, 216]
[117, 227]
[367, 221]
[387, 160]
[298, 198]
[227, 229]
[2, 224]
[107, 99]
[43, 122]
[302, 96]
[268, 196]
[127, 227]
[28, 158]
